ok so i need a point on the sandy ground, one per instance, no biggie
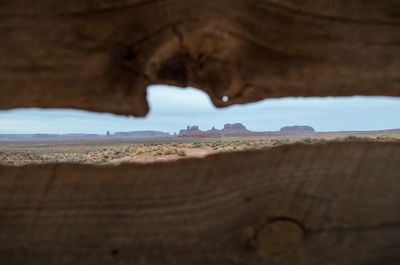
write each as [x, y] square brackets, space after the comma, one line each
[116, 151]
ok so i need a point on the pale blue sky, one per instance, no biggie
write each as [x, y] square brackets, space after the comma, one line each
[173, 108]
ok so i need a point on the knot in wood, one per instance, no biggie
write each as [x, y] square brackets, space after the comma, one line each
[281, 237]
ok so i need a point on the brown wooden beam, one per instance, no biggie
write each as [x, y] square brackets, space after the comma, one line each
[101, 55]
[334, 203]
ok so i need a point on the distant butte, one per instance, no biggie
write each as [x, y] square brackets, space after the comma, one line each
[238, 129]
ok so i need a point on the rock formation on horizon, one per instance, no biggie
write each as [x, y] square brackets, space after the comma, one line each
[190, 130]
[236, 128]
[297, 129]
[213, 130]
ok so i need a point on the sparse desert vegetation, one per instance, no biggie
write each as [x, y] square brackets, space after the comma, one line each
[101, 152]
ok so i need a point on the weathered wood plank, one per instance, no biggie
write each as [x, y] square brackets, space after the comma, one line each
[335, 203]
[101, 55]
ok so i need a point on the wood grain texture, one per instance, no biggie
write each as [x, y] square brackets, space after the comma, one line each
[101, 55]
[335, 203]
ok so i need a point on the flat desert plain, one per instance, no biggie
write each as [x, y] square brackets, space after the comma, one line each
[103, 151]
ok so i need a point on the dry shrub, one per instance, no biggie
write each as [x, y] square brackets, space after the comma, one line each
[181, 153]
[140, 151]
[168, 152]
